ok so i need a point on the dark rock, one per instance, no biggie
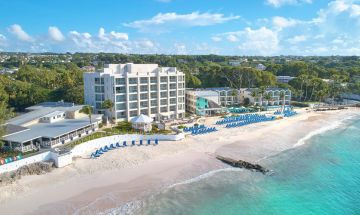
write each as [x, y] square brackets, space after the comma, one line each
[243, 164]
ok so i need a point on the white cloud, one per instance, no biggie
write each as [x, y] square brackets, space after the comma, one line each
[147, 44]
[297, 39]
[216, 39]
[3, 41]
[180, 49]
[279, 3]
[281, 22]
[55, 34]
[232, 38]
[164, 22]
[19, 33]
[113, 35]
[81, 40]
[259, 41]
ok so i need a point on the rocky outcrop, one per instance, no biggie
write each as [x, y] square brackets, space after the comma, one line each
[243, 164]
[31, 169]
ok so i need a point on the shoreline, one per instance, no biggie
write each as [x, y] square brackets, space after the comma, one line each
[129, 174]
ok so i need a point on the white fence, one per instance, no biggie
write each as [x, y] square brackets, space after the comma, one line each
[85, 149]
[26, 161]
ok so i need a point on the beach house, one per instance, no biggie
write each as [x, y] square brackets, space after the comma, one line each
[48, 125]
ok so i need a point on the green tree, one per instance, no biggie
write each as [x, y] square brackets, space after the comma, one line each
[88, 110]
[108, 105]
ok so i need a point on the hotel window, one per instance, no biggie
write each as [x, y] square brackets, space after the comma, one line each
[172, 93]
[133, 105]
[172, 78]
[143, 96]
[163, 94]
[99, 80]
[153, 95]
[163, 87]
[99, 97]
[181, 99]
[153, 103]
[180, 85]
[163, 102]
[133, 113]
[98, 105]
[163, 79]
[144, 80]
[173, 108]
[172, 86]
[180, 107]
[120, 89]
[99, 89]
[133, 89]
[120, 81]
[181, 92]
[173, 101]
[153, 87]
[121, 115]
[144, 104]
[181, 78]
[121, 106]
[153, 80]
[120, 98]
[163, 109]
[143, 88]
[133, 97]
[132, 80]
[154, 110]
[145, 112]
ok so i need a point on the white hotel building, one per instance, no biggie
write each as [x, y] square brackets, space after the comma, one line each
[158, 92]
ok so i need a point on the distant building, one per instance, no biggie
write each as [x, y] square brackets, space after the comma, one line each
[284, 79]
[237, 62]
[261, 101]
[158, 92]
[48, 125]
[210, 101]
[260, 67]
[88, 68]
[8, 71]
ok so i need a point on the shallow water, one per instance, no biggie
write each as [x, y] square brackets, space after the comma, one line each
[322, 177]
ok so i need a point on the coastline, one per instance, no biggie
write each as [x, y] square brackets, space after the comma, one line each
[130, 173]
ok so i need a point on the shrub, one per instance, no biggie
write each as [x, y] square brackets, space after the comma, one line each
[299, 104]
[181, 127]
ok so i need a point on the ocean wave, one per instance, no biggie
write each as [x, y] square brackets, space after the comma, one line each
[204, 176]
[332, 126]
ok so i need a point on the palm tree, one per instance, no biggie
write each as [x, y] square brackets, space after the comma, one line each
[255, 94]
[262, 92]
[282, 95]
[87, 109]
[108, 104]
[267, 97]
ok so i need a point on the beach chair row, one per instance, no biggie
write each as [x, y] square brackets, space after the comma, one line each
[289, 113]
[112, 146]
[193, 128]
[203, 130]
[247, 122]
[240, 118]
[241, 110]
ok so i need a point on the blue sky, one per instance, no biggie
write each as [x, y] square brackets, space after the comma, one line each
[226, 27]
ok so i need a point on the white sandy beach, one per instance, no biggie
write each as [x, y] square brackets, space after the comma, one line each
[90, 186]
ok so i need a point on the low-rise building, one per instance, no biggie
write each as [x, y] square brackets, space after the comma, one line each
[210, 101]
[260, 100]
[260, 67]
[284, 78]
[48, 125]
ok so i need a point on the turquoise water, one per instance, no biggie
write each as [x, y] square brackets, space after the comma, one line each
[318, 178]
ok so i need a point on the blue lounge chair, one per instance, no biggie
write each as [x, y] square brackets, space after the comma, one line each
[148, 142]
[133, 142]
[124, 143]
[140, 142]
[156, 141]
[118, 145]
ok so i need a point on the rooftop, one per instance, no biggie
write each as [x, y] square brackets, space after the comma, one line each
[42, 109]
[52, 130]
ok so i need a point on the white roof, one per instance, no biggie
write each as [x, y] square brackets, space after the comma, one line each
[141, 119]
[55, 113]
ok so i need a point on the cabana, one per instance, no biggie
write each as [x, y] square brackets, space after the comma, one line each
[142, 122]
